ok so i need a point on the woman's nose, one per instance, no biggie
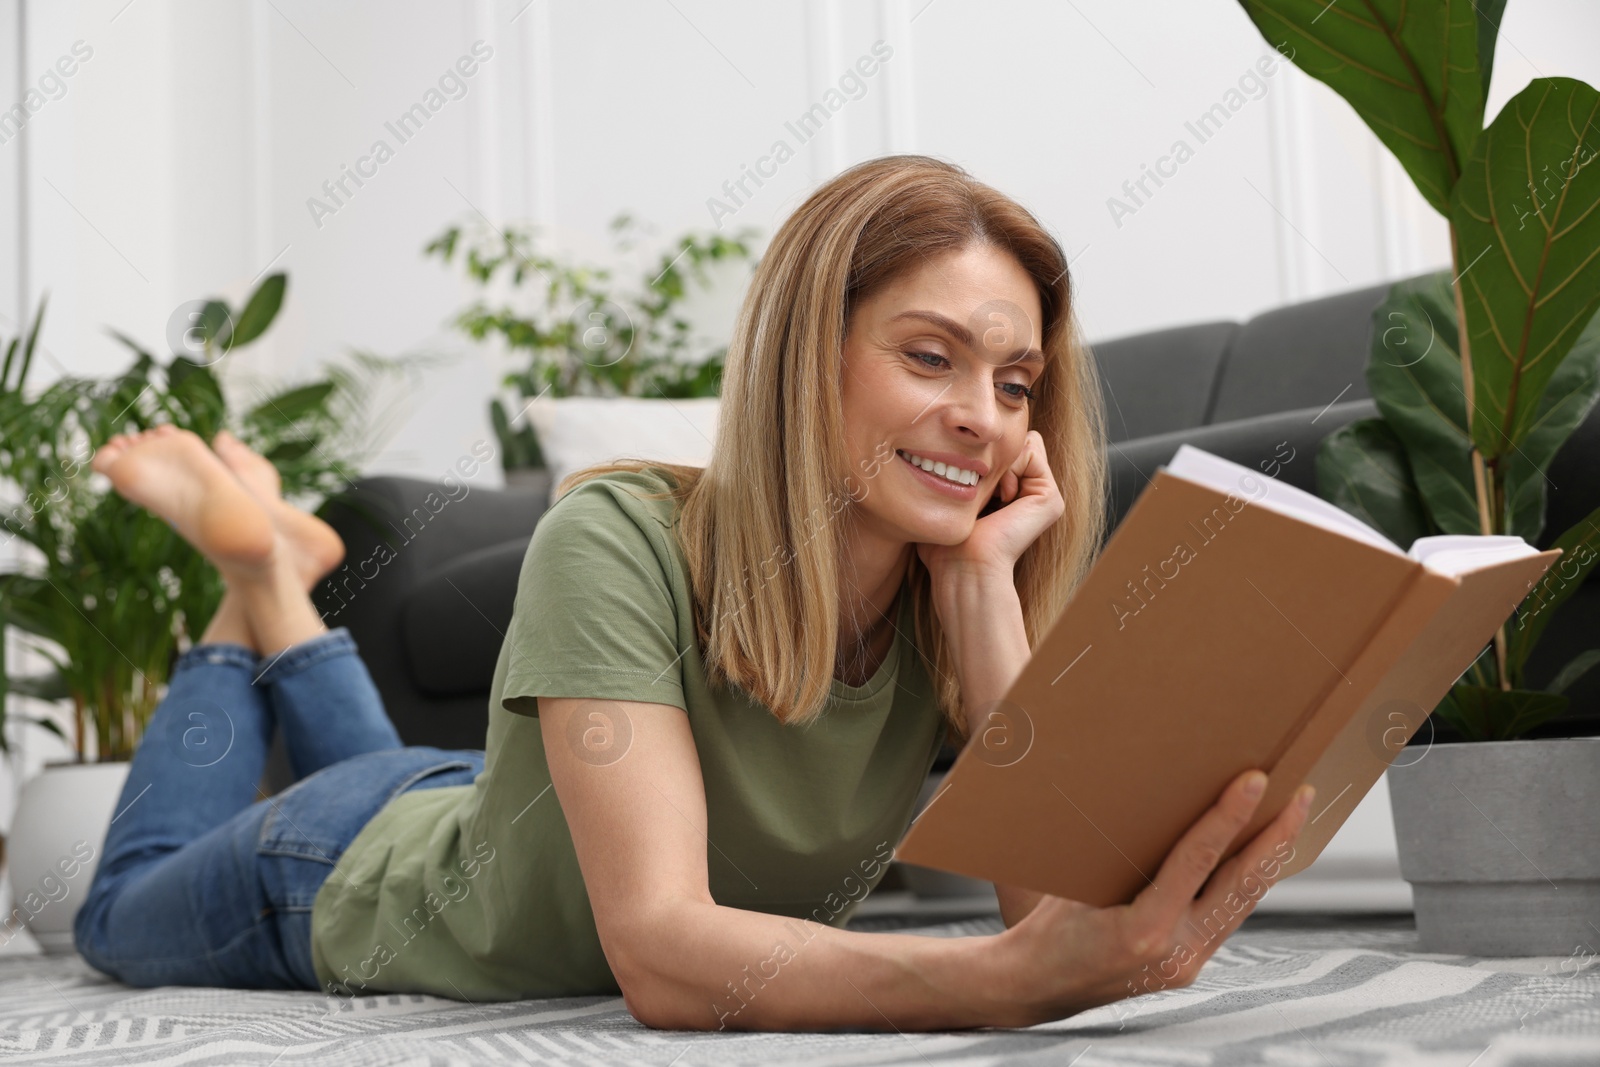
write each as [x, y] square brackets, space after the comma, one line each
[973, 406]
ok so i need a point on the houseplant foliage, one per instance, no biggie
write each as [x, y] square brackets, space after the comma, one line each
[1471, 418]
[112, 593]
[580, 332]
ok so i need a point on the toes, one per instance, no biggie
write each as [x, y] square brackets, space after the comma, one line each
[107, 453]
[225, 443]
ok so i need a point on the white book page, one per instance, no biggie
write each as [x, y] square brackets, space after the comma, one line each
[1225, 476]
[1450, 554]
[1464, 553]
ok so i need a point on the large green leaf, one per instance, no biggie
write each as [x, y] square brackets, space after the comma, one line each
[1482, 713]
[1527, 220]
[259, 311]
[1572, 392]
[1410, 68]
[1576, 668]
[1580, 550]
[1489, 15]
[196, 397]
[1362, 468]
[1414, 374]
[213, 326]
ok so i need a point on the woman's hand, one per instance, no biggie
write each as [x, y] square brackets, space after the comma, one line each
[1068, 957]
[1031, 500]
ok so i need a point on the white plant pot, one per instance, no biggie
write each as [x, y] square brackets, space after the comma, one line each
[56, 838]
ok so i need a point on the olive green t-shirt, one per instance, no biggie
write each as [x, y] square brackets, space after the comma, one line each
[475, 891]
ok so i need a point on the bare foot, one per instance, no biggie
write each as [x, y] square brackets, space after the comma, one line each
[314, 548]
[173, 474]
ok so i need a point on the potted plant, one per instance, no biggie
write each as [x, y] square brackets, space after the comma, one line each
[1480, 375]
[581, 334]
[107, 593]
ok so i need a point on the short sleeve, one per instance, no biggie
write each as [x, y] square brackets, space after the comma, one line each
[594, 614]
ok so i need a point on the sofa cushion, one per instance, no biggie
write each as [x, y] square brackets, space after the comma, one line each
[575, 432]
[1282, 445]
[456, 618]
[1299, 356]
[1162, 381]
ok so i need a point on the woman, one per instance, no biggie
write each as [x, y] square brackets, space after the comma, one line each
[719, 695]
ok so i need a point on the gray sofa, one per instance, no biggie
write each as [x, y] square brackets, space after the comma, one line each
[1263, 393]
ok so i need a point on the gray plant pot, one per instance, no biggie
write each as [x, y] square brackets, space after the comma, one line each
[1500, 844]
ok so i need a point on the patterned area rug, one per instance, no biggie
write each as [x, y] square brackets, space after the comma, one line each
[1285, 990]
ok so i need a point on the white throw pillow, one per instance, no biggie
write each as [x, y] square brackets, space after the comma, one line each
[578, 431]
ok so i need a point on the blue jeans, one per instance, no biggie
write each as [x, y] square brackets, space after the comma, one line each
[199, 883]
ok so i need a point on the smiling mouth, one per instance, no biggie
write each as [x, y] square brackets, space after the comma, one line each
[951, 477]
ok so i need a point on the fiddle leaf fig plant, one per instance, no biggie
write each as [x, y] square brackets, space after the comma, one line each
[1480, 374]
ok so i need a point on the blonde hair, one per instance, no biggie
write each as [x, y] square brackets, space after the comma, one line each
[780, 462]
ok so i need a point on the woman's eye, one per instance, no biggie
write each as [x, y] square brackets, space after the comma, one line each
[1015, 390]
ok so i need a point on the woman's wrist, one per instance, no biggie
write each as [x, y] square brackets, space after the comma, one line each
[981, 615]
[1006, 971]
[969, 573]
[979, 981]
[960, 593]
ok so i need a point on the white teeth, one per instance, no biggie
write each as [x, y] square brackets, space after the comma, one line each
[954, 474]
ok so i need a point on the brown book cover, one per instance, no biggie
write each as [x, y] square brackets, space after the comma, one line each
[1212, 635]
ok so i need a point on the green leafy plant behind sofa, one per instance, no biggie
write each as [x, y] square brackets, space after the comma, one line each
[1470, 419]
[578, 331]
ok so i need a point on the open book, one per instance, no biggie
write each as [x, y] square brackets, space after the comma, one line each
[1232, 621]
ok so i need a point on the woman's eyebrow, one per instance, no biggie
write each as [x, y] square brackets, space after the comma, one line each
[964, 335]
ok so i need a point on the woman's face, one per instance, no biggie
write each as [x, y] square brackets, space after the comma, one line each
[936, 365]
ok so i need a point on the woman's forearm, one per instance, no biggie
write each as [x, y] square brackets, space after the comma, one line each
[702, 966]
[982, 619]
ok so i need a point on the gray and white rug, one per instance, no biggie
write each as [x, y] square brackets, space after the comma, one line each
[1284, 991]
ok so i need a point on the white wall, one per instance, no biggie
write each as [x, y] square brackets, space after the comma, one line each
[179, 161]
